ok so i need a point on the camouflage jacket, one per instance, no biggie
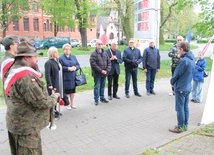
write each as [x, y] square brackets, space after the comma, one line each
[28, 104]
[174, 55]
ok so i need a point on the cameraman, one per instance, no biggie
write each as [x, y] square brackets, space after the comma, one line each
[151, 65]
[131, 58]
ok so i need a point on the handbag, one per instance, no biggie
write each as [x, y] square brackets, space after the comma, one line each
[205, 74]
[80, 79]
[66, 100]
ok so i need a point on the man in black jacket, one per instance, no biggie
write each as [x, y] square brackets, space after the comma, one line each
[100, 66]
[113, 75]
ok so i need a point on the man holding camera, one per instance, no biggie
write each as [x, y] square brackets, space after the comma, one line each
[151, 65]
[131, 58]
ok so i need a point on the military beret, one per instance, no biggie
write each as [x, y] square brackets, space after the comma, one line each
[9, 40]
[26, 49]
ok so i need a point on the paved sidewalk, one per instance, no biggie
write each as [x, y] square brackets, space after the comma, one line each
[120, 127]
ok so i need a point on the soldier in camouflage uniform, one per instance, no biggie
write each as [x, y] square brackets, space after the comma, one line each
[28, 103]
[10, 44]
[175, 58]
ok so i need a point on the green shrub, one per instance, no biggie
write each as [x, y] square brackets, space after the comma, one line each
[170, 40]
[203, 41]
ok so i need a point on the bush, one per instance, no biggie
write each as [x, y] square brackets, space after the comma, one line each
[170, 40]
[204, 41]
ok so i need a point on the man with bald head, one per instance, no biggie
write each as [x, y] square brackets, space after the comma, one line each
[151, 65]
[175, 57]
[113, 76]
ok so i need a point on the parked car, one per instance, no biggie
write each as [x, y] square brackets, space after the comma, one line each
[76, 43]
[122, 42]
[58, 42]
[92, 42]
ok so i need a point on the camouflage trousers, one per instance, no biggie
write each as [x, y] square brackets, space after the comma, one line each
[25, 144]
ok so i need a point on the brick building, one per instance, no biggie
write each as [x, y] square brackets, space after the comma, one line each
[36, 25]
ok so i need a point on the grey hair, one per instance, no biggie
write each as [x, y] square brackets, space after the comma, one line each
[51, 52]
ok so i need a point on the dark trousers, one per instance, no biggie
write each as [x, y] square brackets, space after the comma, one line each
[150, 79]
[131, 73]
[114, 77]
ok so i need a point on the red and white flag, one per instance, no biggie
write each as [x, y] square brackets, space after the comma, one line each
[207, 45]
[103, 36]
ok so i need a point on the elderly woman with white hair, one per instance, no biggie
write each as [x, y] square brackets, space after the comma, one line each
[70, 65]
[53, 75]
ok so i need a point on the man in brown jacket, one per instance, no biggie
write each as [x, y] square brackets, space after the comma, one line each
[100, 66]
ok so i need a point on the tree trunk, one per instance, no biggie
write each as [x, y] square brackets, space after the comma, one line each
[55, 29]
[161, 38]
[83, 33]
[127, 28]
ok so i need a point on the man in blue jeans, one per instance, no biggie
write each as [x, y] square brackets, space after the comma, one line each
[100, 66]
[151, 65]
[181, 81]
[131, 58]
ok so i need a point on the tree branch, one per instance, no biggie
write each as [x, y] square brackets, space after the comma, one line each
[169, 14]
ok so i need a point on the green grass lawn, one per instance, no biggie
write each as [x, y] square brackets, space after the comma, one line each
[164, 73]
[80, 51]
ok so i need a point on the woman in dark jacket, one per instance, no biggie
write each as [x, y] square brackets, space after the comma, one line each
[69, 65]
[198, 79]
[52, 74]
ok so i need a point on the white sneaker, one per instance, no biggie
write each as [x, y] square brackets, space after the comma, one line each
[74, 107]
[170, 94]
[68, 107]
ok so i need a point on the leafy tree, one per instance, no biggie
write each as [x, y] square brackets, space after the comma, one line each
[170, 8]
[126, 14]
[10, 10]
[85, 10]
[61, 12]
[205, 26]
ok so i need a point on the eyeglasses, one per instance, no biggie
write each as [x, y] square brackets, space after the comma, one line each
[179, 40]
[100, 44]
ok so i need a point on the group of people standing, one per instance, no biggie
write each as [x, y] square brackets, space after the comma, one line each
[106, 64]
[29, 100]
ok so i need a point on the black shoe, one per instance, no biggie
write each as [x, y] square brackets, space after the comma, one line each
[96, 102]
[192, 100]
[137, 94]
[57, 113]
[152, 92]
[109, 97]
[115, 96]
[127, 96]
[103, 100]
[56, 116]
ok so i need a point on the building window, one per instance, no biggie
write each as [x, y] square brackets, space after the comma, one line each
[15, 25]
[34, 7]
[26, 24]
[51, 27]
[36, 24]
[45, 26]
[48, 25]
